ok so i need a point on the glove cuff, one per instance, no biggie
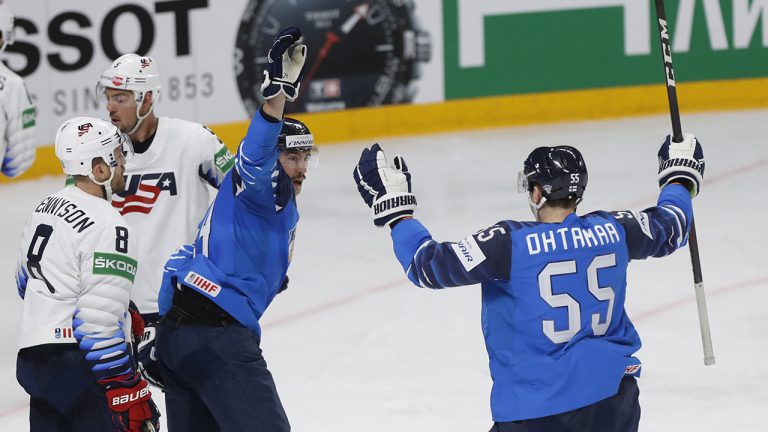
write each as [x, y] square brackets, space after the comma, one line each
[692, 175]
[391, 207]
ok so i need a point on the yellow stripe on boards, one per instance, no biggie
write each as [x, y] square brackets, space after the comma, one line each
[489, 112]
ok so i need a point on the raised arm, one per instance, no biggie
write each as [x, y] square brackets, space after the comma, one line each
[257, 156]
[480, 257]
[658, 231]
[386, 189]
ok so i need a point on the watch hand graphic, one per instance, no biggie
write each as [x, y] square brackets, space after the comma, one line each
[330, 39]
[361, 11]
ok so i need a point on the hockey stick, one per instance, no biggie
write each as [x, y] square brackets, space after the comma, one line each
[677, 136]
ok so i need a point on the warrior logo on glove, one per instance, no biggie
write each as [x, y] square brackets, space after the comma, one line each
[385, 188]
[682, 162]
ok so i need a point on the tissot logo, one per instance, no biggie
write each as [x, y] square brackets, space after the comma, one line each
[142, 192]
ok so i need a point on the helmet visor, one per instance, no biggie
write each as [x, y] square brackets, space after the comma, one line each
[522, 182]
[301, 158]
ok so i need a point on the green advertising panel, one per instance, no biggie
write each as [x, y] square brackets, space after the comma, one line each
[496, 47]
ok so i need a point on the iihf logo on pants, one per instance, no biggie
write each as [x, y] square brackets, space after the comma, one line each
[142, 191]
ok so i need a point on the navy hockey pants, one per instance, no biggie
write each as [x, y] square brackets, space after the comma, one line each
[618, 413]
[216, 379]
[64, 395]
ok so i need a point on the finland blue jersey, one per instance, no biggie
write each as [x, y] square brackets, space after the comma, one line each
[245, 240]
[553, 294]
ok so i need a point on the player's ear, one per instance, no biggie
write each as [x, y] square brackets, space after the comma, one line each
[536, 194]
[146, 102]
[100, 169]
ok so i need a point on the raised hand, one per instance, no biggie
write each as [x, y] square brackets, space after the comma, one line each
[385, 188]
[285, 68]
[682, 162]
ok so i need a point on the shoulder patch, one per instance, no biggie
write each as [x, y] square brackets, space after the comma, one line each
[468, 252]
[28, 117]
[223, 159]
[644, 222]
[114, 264]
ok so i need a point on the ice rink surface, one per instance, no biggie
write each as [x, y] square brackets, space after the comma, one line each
[354, 346]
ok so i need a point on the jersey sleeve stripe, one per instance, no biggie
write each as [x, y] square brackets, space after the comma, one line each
[678, 234]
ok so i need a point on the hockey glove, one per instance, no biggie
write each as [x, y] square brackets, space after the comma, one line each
[385, 188]
[143, 330]
[137, 322]
[285, 67]
[129, 399]
[284, 285]
[682, 162]
[146, 355]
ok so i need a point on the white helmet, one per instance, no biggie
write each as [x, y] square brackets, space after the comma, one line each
[134, 73]
[6, 26]
[82, 139]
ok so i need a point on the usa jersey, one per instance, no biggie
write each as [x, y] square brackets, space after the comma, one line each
[75, 270]
[553, 294]
[17, 124]
[166, 193]
[245, 240]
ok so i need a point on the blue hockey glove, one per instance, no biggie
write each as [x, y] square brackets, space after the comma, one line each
[285, 67]
[385, 188]
[683, 161]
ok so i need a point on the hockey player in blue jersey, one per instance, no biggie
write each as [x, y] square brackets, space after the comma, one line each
[214, 292]
[560, 345]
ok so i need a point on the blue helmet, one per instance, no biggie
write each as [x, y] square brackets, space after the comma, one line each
[560, 171]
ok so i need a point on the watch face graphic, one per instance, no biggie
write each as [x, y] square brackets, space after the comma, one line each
[359, 52]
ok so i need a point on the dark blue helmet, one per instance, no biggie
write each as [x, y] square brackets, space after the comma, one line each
[560, 171]
[295, 135]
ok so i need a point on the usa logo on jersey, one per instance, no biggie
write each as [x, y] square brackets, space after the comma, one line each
[142, 191]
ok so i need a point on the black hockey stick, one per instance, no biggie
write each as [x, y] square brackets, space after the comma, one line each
[677, 136]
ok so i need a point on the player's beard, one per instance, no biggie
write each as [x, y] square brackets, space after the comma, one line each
[297, 186]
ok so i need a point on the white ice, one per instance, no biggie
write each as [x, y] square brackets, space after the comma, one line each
[354, 346]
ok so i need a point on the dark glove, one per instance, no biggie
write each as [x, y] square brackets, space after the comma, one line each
[284, 285]
[285, 67]
[129, 399]
[385, 188]
[682, 162]
[144, 330]
[146, 355]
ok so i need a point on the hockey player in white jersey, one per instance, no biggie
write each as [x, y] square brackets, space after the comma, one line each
[75, 270]
[18, 119]
[167, 181]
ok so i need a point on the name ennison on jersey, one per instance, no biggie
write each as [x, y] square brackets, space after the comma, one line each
[67, 211]
[571, 237]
